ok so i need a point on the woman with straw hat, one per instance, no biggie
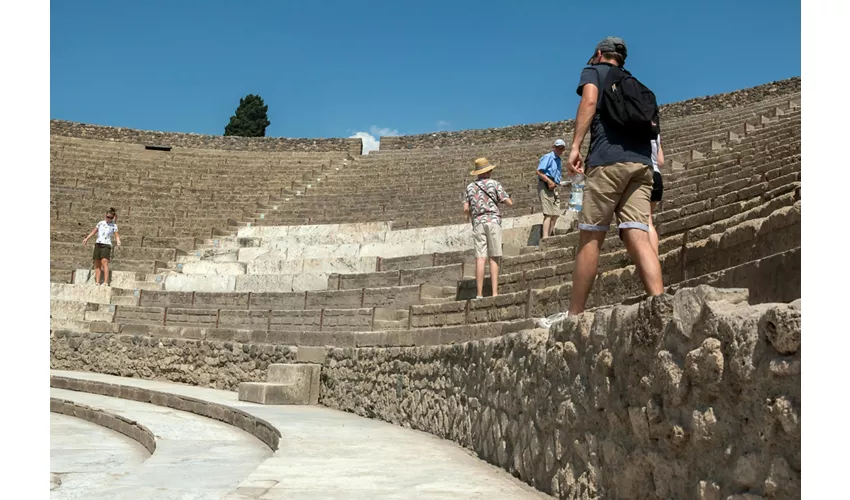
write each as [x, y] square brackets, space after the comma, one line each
[481, 206]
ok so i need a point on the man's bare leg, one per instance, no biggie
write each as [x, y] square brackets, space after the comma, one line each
[97, 272]
[479, 275]
[645, 259]
[494, 275]
[546, 222]
[553, 220]
[586, 265]
[653, 234]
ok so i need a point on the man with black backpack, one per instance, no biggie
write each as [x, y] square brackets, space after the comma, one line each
[618, 110]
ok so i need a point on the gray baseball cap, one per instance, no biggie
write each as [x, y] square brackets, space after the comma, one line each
[610, 44]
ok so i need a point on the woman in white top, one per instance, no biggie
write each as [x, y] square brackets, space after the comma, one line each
[103, 245]
[657, 183]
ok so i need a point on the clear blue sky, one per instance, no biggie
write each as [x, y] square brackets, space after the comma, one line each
[333, 68]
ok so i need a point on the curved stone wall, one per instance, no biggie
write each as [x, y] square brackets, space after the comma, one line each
[103, 418]
[695, 395]
[549, 130]
[181, 140]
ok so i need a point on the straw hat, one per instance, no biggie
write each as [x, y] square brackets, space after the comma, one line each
[482, 166]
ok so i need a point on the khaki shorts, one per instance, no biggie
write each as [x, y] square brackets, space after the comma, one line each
[622, 189]
[487, 238]
[550, 200]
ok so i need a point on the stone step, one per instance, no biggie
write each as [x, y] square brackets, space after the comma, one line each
[124, 301]
[306, 374]
[266, 393]
[287, 384]
[437, 292]
[149, 285]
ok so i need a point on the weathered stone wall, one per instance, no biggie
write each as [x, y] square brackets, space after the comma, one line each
[695, 395]
[181, 140]
[221, 365]
[549, 130]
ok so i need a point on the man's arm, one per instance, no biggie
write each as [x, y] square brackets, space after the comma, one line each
[544, 162]
[660, 158]
[117, 238]
[466, 211]
[584, 116]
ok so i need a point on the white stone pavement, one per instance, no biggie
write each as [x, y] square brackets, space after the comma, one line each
[196, 457]
[329, 454]
[86, 457]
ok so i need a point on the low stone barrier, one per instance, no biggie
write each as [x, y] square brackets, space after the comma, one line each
[695, 395]
[255, 426]
[131, 429]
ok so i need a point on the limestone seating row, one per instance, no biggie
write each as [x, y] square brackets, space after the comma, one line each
[76, 250]
[305, 320]
[769, 142]
[118, 265]
[260, 340]
[394, 297]
[180, 244]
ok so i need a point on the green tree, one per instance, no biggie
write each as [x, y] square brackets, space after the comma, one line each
[251, 118]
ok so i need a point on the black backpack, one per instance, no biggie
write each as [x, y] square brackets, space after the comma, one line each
[627, 104]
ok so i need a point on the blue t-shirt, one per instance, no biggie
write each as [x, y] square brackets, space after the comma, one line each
[608, 145]
[550, 164]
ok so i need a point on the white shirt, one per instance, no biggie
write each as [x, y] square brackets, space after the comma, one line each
[104, 232]
[655, 142]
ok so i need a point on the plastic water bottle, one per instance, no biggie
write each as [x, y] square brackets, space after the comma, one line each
[576, 192]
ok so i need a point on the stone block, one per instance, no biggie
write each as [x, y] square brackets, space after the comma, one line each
[278, 300]
[264, 283]
[214, 268]
[213, 300]
[200, 283]
[273, 394]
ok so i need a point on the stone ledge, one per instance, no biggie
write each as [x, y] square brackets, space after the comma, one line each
[131, 429]
[255, 426]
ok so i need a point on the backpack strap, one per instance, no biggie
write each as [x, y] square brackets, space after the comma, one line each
[487, 193]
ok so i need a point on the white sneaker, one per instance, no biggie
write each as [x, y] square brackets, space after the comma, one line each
[550, 320]
[479, 296]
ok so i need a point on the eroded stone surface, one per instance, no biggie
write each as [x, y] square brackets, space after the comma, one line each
[616, 402]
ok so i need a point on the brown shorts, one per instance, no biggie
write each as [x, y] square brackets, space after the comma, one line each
[550, 200]
[101, 251]
[622, 189]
